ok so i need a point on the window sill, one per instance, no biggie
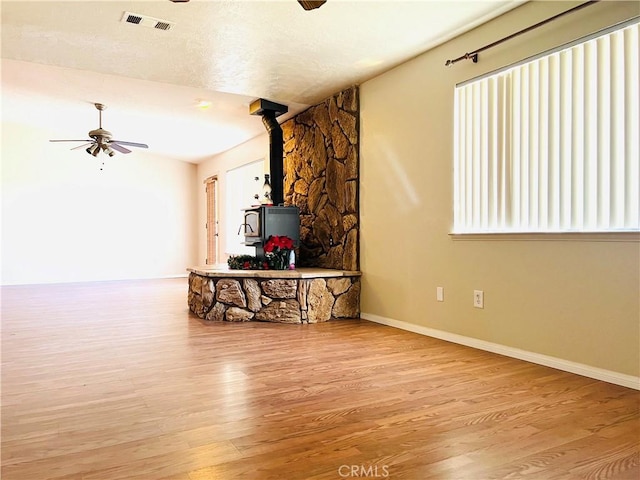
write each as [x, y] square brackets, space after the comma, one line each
[630, 237]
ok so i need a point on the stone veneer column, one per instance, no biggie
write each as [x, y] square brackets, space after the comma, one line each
[321, 166]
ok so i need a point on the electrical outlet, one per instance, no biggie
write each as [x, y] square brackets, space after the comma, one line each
[440, 294]
[478, 298]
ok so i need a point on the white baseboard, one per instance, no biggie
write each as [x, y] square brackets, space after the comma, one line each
[565, 365]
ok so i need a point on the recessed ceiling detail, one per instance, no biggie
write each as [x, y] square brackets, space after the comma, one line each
[147, 21]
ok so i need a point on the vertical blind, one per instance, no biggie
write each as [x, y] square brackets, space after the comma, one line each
[552, 145]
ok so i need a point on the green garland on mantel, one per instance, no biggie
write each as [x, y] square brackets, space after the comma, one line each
[247, 262]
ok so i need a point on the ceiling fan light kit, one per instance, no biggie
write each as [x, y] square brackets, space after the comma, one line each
[93, 150]
[108, 150]
[100, 139]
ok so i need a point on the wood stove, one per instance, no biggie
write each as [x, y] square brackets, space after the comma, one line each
[262, 221]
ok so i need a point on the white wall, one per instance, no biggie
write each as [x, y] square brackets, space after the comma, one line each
[64, 220]
[248, 152]
[247, 181]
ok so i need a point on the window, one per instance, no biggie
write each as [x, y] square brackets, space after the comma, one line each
[552, 145]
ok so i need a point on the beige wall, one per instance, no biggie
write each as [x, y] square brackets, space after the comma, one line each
[255, 149]
[64, 220]
[577, 300]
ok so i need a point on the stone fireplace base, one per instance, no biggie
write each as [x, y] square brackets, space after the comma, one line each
[304, 295]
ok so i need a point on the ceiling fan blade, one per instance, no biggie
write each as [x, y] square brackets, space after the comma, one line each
[85, 140]
[83, 146]
[311, 4]
[130, 144]
[119, 148]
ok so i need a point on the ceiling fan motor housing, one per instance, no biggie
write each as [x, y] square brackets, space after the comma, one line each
[100, 135]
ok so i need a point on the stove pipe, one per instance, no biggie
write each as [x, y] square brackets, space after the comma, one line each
[269, 111]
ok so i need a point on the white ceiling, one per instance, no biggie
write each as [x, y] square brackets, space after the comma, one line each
[60, 57]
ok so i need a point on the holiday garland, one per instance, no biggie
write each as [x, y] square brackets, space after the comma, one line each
[277, 250]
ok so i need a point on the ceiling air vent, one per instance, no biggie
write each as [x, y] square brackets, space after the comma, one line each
[146, 21]
[163, 25]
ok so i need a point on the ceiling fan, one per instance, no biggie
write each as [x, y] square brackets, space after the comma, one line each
[101, 140]
[311, 4]
[306, 4]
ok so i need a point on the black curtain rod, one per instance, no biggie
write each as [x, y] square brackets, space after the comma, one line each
[474, 55]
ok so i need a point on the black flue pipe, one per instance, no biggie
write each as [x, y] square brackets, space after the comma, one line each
[269, 111]
[276, 156]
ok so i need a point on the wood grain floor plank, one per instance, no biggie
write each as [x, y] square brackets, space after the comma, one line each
[116, 380]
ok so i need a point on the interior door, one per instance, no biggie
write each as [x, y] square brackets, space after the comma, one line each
[211, 185]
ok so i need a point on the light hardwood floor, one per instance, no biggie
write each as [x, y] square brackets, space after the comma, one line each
[116, 380]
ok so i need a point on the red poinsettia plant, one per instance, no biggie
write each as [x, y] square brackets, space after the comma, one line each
[277, 250]
[276, 243]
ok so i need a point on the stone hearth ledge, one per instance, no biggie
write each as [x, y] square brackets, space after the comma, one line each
[223, 272]
[303, 295]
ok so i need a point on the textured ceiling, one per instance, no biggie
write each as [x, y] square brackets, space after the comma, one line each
[60, 57]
